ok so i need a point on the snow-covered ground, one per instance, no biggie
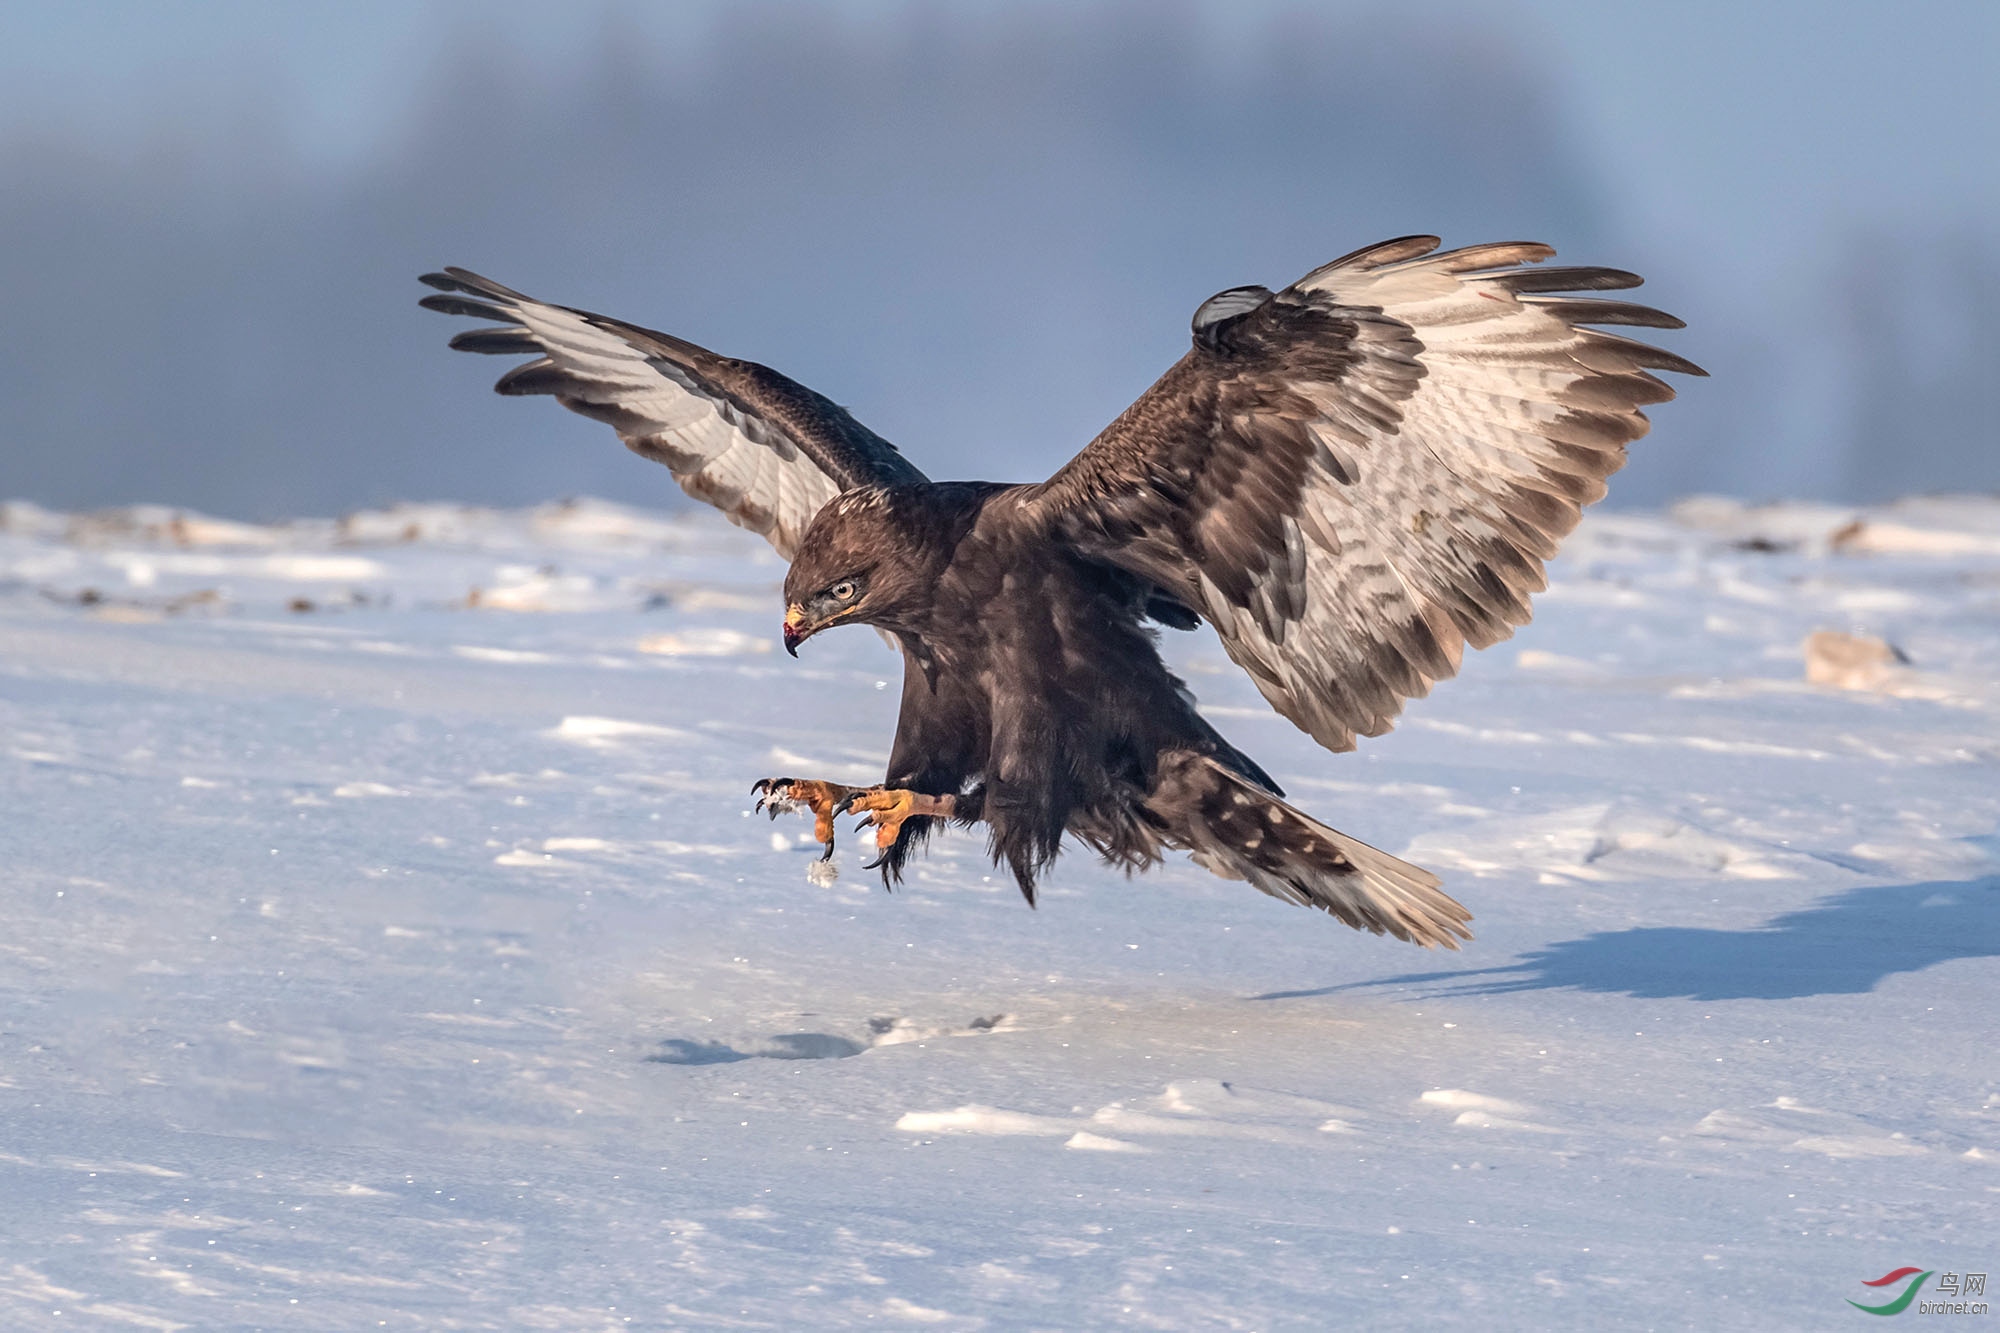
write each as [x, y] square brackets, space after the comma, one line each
[387, 944]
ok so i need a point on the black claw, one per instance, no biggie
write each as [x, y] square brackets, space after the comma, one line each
[771, 791]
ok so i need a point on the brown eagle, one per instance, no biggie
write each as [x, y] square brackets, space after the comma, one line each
[1351, 479]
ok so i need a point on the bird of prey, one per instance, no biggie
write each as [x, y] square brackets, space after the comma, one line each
[1351, 479]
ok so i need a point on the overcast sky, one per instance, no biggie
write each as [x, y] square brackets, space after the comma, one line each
[983, 226]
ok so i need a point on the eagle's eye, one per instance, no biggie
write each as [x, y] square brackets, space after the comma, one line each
[843, 591]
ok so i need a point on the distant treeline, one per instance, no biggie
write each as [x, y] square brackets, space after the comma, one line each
[986, 235]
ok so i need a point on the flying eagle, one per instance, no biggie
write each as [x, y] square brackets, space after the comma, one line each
[1351, 479]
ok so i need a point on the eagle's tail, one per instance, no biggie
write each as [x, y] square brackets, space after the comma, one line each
[1240, 831]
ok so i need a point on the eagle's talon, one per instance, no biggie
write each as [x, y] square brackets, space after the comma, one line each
[770, 799]
[824, 799]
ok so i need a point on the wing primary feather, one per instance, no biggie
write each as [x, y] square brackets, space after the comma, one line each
[459, 279]
[1492, 255]
[1607, 352]
[628, 423]
[1375, 256]
[1567, 280]
[543, 376]
[496, 342]
[458, 305]
[1583, 310]
[1617, 393]
[1385, 252]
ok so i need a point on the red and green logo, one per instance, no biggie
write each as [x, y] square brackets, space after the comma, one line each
[1916, 1278]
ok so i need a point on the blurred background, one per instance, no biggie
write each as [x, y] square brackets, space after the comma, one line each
[982, 226]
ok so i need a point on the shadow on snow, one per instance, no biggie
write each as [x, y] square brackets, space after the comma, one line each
[789, 1046]
[1842, 945]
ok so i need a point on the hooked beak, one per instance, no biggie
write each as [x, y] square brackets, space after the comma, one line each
[796, 632]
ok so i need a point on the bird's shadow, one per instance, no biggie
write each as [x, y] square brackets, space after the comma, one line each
[786, 1046]
[1845, 944]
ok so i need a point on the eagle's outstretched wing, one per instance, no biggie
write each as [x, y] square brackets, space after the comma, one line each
[1355, 477]
[765, 450]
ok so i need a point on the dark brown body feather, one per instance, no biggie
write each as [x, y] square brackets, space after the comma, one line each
[1033, 686]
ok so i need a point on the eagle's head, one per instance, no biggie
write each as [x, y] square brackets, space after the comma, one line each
[853, 566]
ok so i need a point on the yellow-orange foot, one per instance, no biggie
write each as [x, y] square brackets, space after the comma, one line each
[825, 800]
[887, 807]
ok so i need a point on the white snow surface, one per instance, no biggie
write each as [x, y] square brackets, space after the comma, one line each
[389, 944]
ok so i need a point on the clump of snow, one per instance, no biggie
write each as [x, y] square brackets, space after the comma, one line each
[610, 730]
[377, 959]
[1853, 661]
[1098, 1143]
[704, 643]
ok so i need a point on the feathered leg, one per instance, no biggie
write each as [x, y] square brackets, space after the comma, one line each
[1240, 831]
[886, 808]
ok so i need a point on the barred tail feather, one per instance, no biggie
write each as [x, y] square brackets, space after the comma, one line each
[1240, 831]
